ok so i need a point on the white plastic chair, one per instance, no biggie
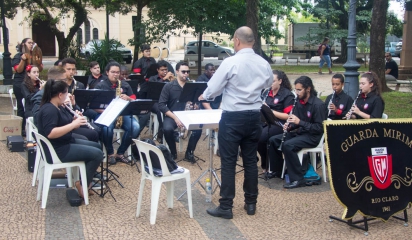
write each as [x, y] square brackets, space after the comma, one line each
[153, 121]
[46, 170]
[167, 178]
[312, 151]
[33, 128]
[13, 102]
[384, 116]
[29, 128]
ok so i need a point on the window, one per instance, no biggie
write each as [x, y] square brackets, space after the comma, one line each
[79, 36]
[87, 30]
[95, 33]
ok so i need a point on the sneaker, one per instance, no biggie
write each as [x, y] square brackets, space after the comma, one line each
[112, 160]
[122, 159]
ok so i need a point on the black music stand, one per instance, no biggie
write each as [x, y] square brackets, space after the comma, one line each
[155, 89]
[135, 108]
[82, 79]
[139, 78]
[133, 84]
[269, 118]
[93, 98]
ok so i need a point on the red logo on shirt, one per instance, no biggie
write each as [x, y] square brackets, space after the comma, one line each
[275, 101]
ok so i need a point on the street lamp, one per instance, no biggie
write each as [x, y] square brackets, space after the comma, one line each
[351, 66]
[7, 73]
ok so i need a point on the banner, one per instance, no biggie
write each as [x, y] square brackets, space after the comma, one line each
[370, 165]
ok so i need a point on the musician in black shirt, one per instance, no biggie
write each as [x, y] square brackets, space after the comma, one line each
[369, 104]
[95, 77]
[341, 102]
[168, 102]
[143, 67]
[279, 99]
[69, 65]
[305, 131]
[205, 77]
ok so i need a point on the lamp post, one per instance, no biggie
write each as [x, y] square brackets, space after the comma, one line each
[7, 73]
[351, 66]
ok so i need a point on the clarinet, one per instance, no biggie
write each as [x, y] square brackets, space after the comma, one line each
[77, 115]
[354, 104]
[285, 131]
[331, 101]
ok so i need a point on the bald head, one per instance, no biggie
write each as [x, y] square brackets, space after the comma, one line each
[245, 35]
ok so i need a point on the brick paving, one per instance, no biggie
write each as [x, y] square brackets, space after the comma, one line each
[281, 214]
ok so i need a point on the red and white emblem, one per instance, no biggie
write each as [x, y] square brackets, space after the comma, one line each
[341, 106]
[380, 167]
[275, 101]
[365, 106]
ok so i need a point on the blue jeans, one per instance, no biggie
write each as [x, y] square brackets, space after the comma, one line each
[131, 128]
[239, 129]
[87, 151]
[323, 59]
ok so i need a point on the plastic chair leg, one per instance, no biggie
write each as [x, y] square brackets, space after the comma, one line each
[46, 185]
[189, 195]
[36, 169]
[170, 190]
[140, 197]
[156, 186]
[322, 158]
[84, 184]
[41, 179]
[69, 175]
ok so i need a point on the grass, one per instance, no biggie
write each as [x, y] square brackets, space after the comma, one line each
[294, 69]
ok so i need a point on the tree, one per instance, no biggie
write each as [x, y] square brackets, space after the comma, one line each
[378, 35]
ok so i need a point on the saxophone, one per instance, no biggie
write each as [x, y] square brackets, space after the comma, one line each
[119, 120]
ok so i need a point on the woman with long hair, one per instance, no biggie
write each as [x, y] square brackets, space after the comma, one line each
[369, 103]
[279, 99]
[57, 125]
[325, 55]
[30, 86]
[19, 63]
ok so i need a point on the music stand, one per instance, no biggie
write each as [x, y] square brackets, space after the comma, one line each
[93, 98]
[139, 78]
[135, 108]
[154, 90]
[194, 120]
[133, 84]
[82, 79]
[192, 91]
[269, 118]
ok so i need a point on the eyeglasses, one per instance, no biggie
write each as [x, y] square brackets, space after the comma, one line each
[387, 56]
[113, 72]
[184, 72]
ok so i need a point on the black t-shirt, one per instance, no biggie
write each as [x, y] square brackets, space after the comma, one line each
[50, 117]
[169, 97]
[142, 66]
[311, 115]
[393, 66]
[73, 86]
[343, 104]
[18, 77]
[107, 85]
[203, 78]
[370, 104]
[281, 102]
[27, 95]
[92, 81]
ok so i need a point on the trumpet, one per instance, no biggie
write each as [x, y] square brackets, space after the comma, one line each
[77, 115]
[40, 81]
[285, 130]
[331, 101]
[354, 104]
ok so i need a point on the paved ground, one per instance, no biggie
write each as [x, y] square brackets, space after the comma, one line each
[281, 214]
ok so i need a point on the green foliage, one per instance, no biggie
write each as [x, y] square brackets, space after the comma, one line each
[394, 25]
[398, 104]
[106, 51]
[75, 53]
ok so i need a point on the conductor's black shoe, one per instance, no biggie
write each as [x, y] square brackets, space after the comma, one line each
[189, 156]
[295, 184]
[250, 208]
[218, 212]
[271, 175]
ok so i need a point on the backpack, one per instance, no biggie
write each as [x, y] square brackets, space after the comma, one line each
[157, 170]
[320, 49]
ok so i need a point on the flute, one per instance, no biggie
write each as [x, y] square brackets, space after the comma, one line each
[285, 130]
[41, 81]
[354, 104]
[77, 115]
[331, 101]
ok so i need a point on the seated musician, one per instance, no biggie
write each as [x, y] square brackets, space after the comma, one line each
[305, 129]
[164, 75]
[56, 125]
[31, 85]
[95, 77]
[205, 77]
[69, 65]
[168, 102]
[279, 99]
[142, 67]
[369, 103]
[341, 102]
[124, 73]
[129, 123]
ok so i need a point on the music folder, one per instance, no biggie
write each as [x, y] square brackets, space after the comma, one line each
[139, 78]
[110, 114]
[93, 98]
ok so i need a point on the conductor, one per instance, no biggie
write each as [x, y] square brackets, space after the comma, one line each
[241, 79]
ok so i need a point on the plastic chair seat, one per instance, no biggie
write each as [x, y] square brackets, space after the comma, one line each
[167, 178]
[45, 171]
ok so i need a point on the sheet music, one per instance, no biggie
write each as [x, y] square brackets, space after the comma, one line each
[198, 119]
[110, 114]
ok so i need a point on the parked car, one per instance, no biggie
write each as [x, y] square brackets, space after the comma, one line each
[209, 48]
[398, 49]
[390, 47]
[88, 49]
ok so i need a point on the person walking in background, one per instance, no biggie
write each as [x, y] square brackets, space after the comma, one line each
[324, 54]
[241, 79]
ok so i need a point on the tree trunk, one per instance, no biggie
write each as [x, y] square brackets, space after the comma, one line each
[378, 35]
[252, 20]
[137, 34]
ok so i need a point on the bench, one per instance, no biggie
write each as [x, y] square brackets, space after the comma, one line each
[399, 82]
[364, 56]
[191, 59]
[297, 56]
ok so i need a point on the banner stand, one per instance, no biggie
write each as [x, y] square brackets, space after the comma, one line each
[365, 220]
